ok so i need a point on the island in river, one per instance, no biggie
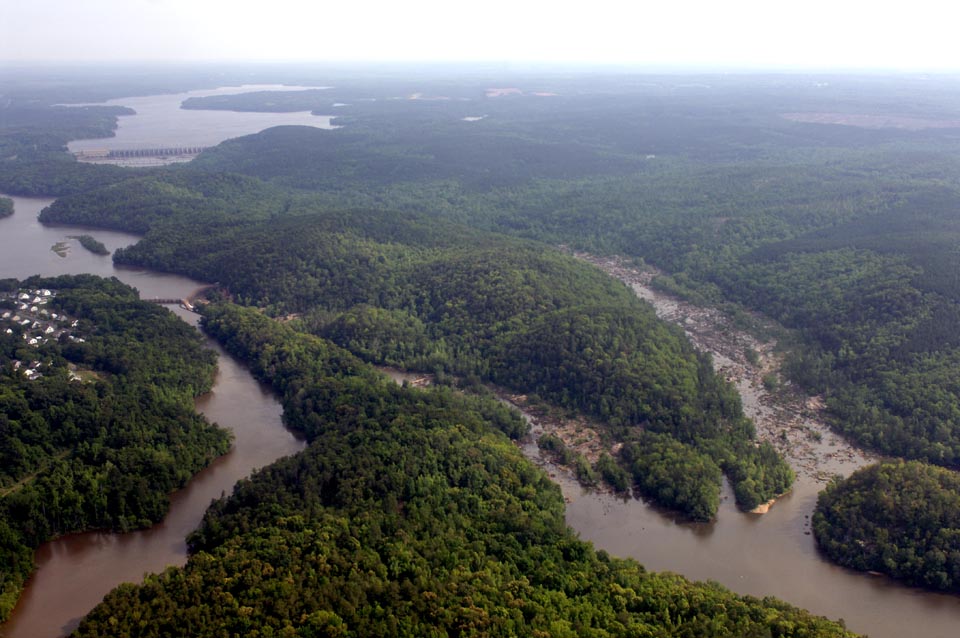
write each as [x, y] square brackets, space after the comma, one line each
[91, 244]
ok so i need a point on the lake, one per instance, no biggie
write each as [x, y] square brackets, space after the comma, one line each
[161, 123]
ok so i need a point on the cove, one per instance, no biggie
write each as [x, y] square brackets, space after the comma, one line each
[75, 572]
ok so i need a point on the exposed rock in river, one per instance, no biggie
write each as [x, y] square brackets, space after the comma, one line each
[796, 424]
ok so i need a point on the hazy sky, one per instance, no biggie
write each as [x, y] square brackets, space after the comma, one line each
[919, 34]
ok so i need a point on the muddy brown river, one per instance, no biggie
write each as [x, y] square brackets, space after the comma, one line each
[75, 572]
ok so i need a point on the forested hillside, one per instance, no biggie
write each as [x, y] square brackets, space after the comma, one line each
[409, 514]
[33, 138]
[901, 519]
[97, 425]
[388, 236]
[450, 299]
[844, 233]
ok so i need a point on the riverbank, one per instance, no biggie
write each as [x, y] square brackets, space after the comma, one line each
[795, 424]
[74, 572]
[579, 434]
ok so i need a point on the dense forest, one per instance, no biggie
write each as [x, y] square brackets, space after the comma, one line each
[840, 232]
[410, 290]
[409, 514]
[713, 180]
[845, 234]
[97, 427]
[33, 139]
[901, 519]
[388, 236]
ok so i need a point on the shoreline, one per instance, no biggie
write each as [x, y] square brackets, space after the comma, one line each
[794, 423]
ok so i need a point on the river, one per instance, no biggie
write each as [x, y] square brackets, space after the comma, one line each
[75, 572]
[772, 554]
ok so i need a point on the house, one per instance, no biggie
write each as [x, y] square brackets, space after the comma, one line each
[23, 296]
[7, 314]
[9, 331]
[33, 341]
[46, 293]
[33, 308]
[48, 331]
[15, 319]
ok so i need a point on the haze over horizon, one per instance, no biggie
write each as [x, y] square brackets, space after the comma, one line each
[748, 34]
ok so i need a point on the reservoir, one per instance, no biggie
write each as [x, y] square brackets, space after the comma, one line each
[161, 123]
[772, 554]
